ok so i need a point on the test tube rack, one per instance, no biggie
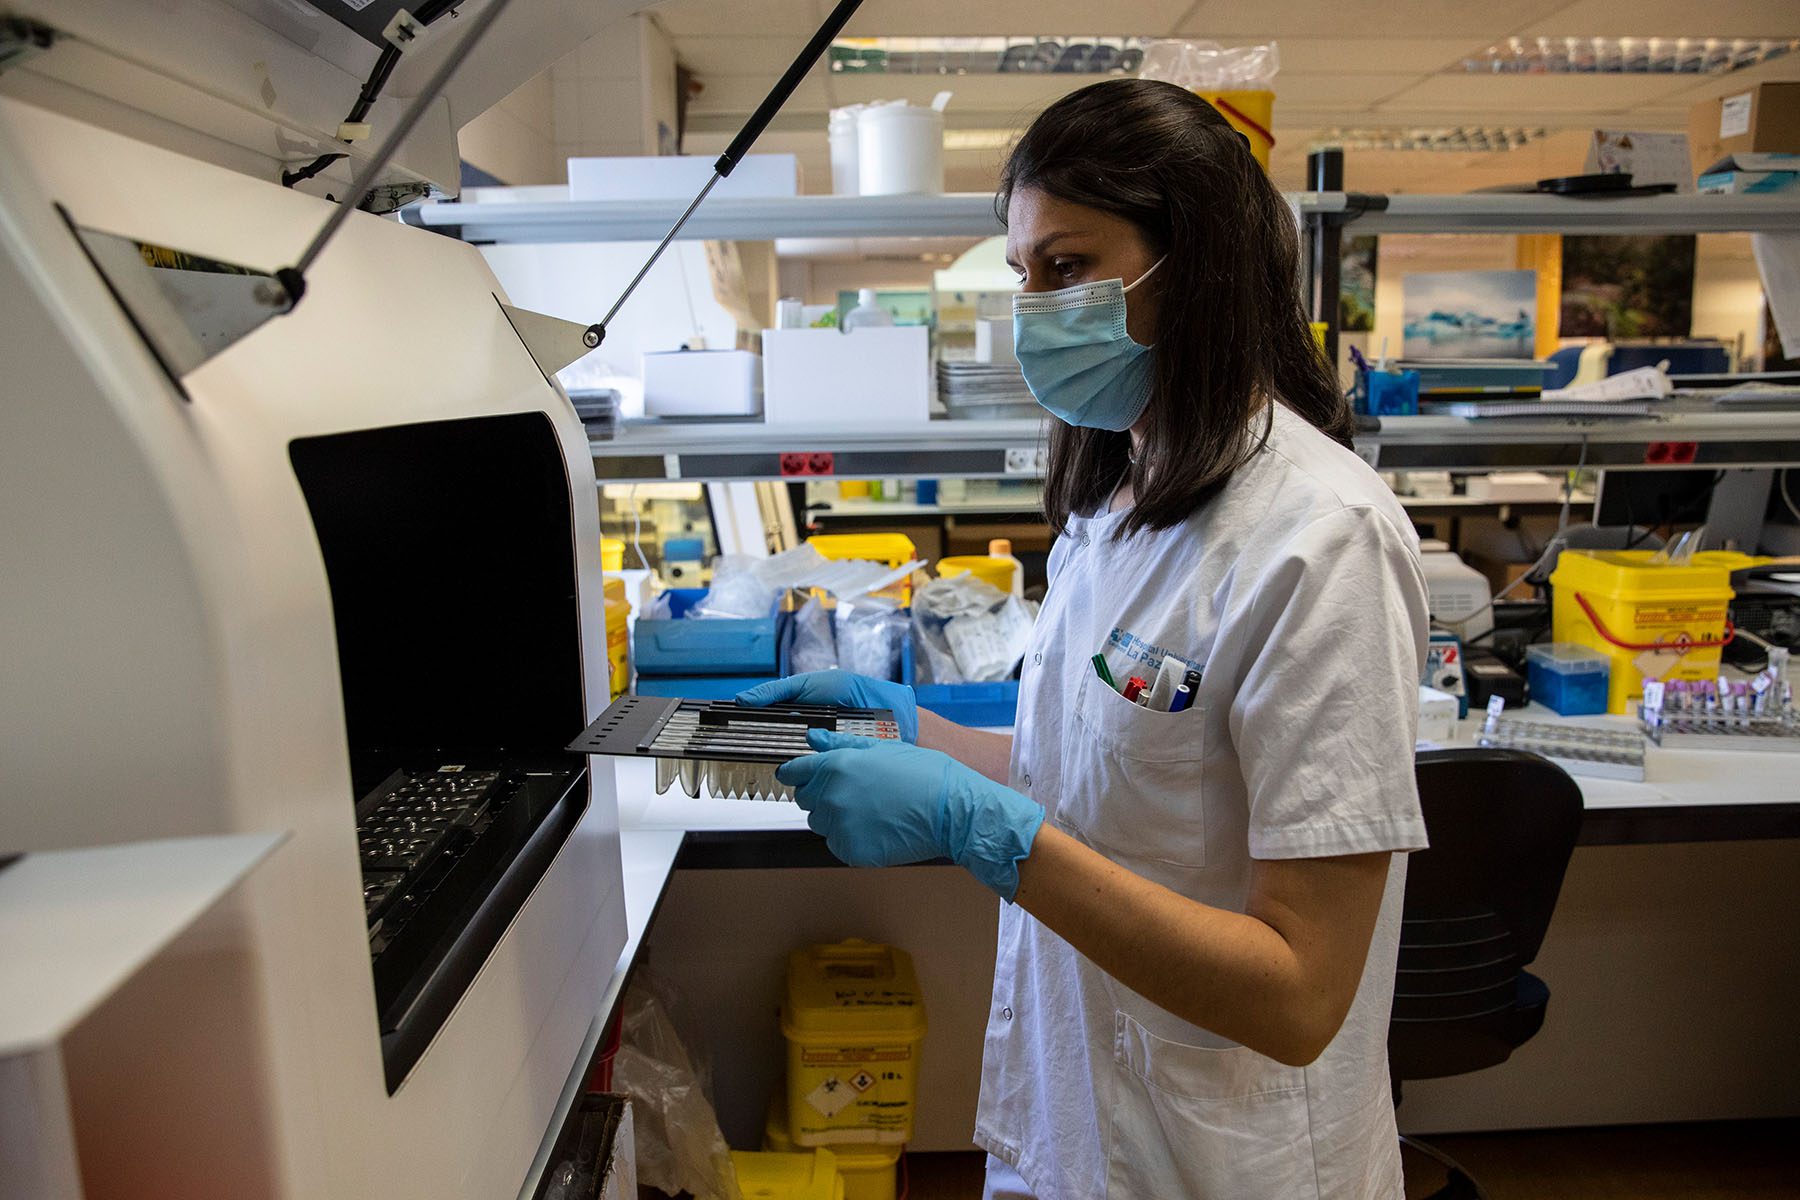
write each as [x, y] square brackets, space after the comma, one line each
[1596, 753]
[1758, 715]
[729, 749]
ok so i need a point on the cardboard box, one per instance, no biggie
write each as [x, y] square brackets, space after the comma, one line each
[879, 376]
[1760, 119]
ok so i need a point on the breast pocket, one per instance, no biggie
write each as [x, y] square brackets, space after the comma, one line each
[1203, 1122]
[1131, 781]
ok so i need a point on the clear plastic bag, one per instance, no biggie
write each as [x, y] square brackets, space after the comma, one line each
[815, 645]
[1202, 66]
[676, 1132]
[871, 633]
[966, 630]
[747, 587]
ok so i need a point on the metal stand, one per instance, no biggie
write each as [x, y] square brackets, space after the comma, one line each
[1325, 243]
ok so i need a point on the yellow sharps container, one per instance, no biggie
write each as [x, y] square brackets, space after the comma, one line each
[1654, 620]
[854, 1022]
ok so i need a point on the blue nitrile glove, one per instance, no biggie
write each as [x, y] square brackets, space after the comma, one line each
[882, 803]
[840, 687]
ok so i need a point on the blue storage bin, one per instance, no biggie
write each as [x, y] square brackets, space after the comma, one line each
[975, 704]
[698, 687]
[724, 647]
[1573, 680]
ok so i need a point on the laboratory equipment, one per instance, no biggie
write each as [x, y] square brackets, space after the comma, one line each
[332, 555]
[730, 749]
[1722, 714]
[899, 150]
[1570, 679]
[1444, 668]
[1577, 749]
[1460, 597]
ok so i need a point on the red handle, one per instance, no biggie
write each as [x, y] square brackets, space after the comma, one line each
[1683, 646]
[1232, 110]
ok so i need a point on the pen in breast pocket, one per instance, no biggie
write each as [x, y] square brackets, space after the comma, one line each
[1104, 674]
[1168, 677]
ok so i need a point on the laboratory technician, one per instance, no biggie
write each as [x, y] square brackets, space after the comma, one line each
[1196, 962]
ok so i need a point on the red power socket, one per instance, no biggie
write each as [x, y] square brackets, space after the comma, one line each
[1664, 454]
[815, 463]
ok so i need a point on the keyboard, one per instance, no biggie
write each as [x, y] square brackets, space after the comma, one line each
[414, 831]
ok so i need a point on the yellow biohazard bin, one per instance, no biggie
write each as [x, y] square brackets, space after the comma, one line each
[1252, 114]
[1653, 620]
[854, 1022]
[618, 636]
[808, 1175]
[871, 1172]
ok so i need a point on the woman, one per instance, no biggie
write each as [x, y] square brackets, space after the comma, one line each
[1196, 964]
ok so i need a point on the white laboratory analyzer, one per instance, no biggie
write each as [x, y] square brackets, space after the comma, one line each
[333, 573]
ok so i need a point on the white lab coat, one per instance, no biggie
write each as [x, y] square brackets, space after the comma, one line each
[1299, 591]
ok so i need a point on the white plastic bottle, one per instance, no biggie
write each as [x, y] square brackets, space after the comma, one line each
[867, 314]
[1002, 548]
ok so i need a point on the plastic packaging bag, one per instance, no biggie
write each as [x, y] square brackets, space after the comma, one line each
[871, 633]
[815, 645]
[747, 587]
[966, 630]
[1203, 66]
[676, 1132]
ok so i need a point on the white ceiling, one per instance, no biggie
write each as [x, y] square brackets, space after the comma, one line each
[1343, 63]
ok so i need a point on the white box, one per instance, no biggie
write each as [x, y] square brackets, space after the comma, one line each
[680, 177]
[702, 383]
[824, 377]
[1437, 715]
[994, 341]
[1501, 486]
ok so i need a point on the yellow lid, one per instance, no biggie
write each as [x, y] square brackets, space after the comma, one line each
[985, 567]
[890, 548]
[614, 590]
[853, 987]
[808, 1175]
[612, 554]
[1631, 573]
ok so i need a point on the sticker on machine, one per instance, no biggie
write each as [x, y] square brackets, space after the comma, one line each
[831, 1097]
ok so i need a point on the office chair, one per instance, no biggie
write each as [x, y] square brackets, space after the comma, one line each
[1502, 824]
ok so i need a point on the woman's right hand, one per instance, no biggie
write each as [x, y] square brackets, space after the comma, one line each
[842, 688]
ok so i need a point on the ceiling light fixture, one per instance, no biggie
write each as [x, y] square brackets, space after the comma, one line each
[1463, 138]
[1626, 55]
[1021, 55]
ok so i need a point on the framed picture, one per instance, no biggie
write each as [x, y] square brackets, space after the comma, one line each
[1627, 287]
[1470, 314]
[1356, 290]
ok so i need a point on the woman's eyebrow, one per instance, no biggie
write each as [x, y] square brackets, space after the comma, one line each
[1043, 244]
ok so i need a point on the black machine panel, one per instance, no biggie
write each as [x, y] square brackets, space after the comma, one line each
[450, 551]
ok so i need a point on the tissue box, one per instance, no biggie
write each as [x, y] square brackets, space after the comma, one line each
[702, 383]
[826, 377]
[1743, 174]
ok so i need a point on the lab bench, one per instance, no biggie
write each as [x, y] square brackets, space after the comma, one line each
[1669, 993]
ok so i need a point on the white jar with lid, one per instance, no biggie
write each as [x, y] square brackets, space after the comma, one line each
[900, 150]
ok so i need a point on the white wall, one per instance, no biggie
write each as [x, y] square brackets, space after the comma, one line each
[513, 140]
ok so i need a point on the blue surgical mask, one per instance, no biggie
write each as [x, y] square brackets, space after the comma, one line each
[1077, 358]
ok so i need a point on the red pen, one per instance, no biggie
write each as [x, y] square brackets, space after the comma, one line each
[1133, 686]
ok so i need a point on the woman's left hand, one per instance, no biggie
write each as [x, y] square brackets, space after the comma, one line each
[883, 803]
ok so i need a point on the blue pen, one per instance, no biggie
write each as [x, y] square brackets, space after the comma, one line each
[1184, 695]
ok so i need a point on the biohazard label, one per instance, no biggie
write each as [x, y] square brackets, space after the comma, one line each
[832, 1096]
[862, 1081]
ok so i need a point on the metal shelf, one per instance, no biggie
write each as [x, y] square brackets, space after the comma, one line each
[971, 214]
[1009, 449]
[752, 450]
[953, 215]
[1483, 212]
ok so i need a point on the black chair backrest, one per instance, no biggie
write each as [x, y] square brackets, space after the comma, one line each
[1502, 826]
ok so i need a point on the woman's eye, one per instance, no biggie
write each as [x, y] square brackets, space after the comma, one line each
[1065, 267]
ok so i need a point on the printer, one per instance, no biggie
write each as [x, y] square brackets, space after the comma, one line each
[340, 581]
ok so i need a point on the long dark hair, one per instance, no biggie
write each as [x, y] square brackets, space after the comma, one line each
[1231, 332]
